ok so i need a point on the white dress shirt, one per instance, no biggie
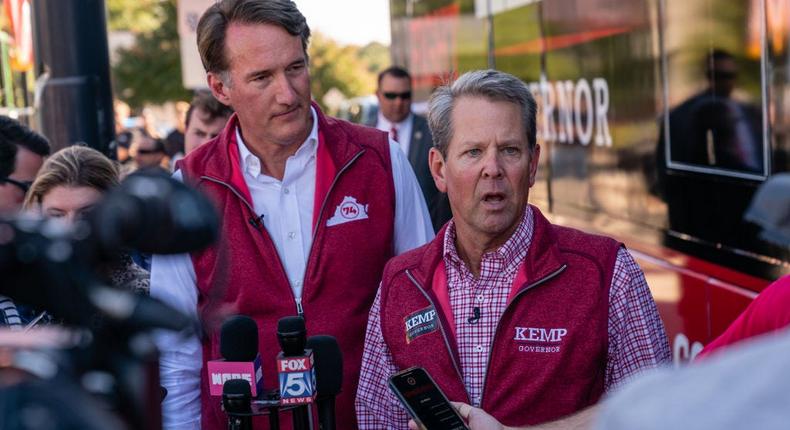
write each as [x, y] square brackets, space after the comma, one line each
[287, 209]
[404, 130]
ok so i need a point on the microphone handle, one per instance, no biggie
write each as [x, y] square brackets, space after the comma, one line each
[236, 422]
[301, 418]
[274, 419]
[326, 412]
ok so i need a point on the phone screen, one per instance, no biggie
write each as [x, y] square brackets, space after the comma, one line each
[424, 401]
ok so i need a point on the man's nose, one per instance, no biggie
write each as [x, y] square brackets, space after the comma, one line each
[492, 164]
[286, 95]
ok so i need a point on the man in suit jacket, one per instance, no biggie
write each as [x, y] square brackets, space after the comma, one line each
[412, 133]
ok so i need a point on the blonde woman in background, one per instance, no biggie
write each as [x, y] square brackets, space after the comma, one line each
[70, 183]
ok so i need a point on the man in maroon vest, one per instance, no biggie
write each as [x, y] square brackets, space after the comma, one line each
[529, 321]
[311, 209]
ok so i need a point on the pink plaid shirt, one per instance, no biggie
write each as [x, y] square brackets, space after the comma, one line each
[637, 340]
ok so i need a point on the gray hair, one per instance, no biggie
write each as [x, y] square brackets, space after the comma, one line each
[490, 84]
[214, 23]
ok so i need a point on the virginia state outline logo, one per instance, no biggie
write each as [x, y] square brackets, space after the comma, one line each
[347, 211]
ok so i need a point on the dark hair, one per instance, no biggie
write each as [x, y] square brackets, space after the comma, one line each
[14, 131]
[7, 157]
[490, 84]
[206, 102]
[713, 56]
[396, 71]
[214, 23]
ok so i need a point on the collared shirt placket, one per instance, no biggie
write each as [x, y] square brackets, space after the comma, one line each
[488, 293]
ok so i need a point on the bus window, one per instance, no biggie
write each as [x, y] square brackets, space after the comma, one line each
[714, 123]
[714, 147]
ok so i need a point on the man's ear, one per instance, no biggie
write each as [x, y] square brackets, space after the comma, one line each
[533, 164]
[218, 87]
[436, 164]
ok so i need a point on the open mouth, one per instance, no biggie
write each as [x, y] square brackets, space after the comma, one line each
[494, 198]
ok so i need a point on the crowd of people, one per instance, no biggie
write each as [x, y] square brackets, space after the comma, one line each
[411, 240]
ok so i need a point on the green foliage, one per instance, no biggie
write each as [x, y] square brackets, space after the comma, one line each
[376, 56]
[349, 69]
[150, 71]
[137, 16]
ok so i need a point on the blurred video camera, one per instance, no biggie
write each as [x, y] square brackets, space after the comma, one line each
[99, 369]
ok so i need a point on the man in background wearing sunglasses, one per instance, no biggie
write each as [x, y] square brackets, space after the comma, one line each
[412, 133]
[22, 152]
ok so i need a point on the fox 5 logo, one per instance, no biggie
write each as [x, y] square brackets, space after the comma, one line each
[297, 380]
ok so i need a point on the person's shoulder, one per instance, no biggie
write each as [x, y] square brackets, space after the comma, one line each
[367, 132]
[643, 403]
[569, 237]
[368, 138]
[407, 260]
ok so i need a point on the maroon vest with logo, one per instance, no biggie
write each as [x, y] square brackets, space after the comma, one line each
[548, 356]
[243, 274]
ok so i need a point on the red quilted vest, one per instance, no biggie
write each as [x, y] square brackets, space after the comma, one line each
[548, 356]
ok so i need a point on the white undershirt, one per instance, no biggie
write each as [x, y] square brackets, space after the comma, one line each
[285, 212]
[287, 205]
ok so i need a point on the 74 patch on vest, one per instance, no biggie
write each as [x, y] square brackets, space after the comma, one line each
[420, 323]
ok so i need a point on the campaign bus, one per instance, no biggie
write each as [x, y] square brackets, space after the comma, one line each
[658, 120]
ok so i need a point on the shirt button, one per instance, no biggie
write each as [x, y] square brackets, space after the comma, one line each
[479, 348]
[286, 191]
[481, 298]
[291, 235]
[299, 283]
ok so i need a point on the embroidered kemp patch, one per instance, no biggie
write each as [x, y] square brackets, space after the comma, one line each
[420, 323]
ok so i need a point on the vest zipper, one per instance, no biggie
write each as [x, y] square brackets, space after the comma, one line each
[318, 223]
[258, 226]
[441, 327]
[546, 278]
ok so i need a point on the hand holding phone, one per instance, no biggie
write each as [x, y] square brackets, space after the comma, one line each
[426, 403]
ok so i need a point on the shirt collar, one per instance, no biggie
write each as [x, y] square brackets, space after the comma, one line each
[251, 164]
[508, 255]
[384, 123]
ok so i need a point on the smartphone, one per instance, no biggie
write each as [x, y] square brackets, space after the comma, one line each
[426, 403]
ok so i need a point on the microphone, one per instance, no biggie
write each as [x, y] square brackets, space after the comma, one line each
[236, 398]
[328, 377]
[475, 316]
[295, 370]
[238, 344]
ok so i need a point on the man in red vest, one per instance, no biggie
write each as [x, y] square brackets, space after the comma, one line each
[529, 321]
[311, 209]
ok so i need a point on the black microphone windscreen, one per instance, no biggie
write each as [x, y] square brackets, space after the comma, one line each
[153, 213]
[292, 335]
[238, 339]
[328, 364]
[290, 325]
[237, 387]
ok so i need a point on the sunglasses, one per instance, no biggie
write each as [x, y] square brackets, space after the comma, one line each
[403, 96]
[22, 185]
[149, 151]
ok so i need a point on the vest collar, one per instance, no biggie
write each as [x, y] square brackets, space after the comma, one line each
[542, 260]
[221, 164]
